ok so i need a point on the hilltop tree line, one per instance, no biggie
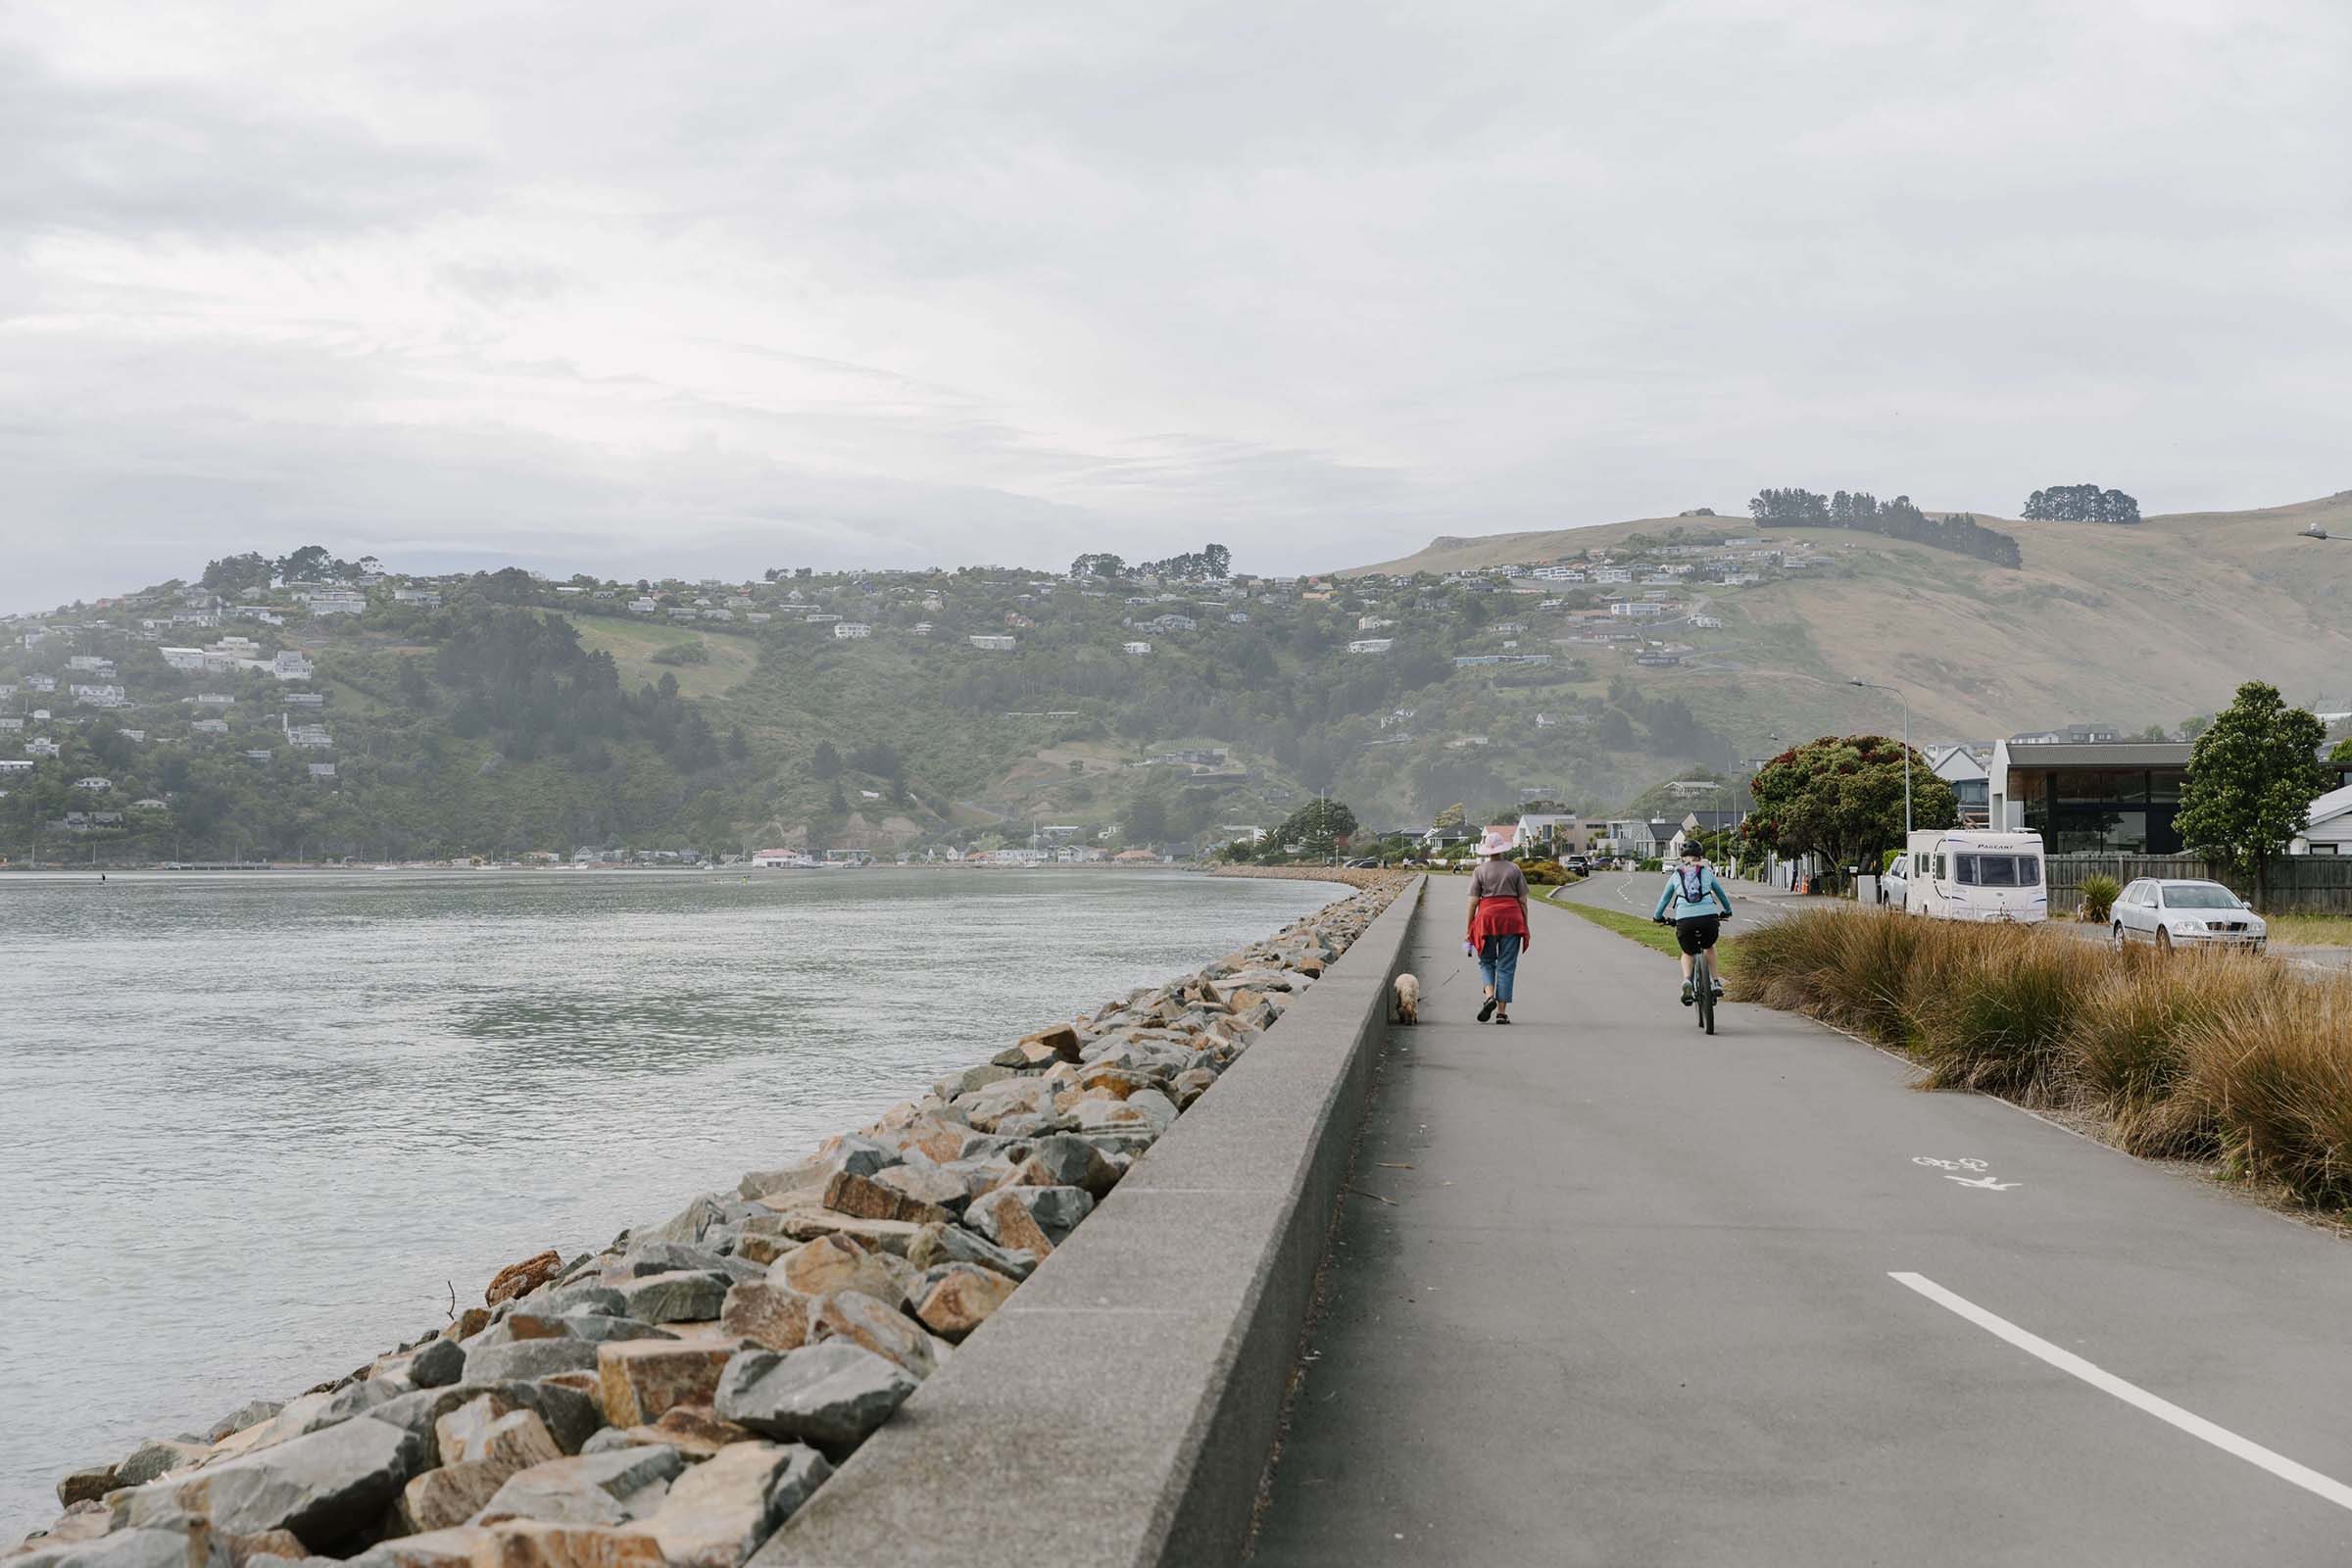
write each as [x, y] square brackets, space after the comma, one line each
[1208, 563]
[1864, 513]
[2080, 502]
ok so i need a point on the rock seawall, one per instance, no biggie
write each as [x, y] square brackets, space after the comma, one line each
[1347, 876]
[669, 1401]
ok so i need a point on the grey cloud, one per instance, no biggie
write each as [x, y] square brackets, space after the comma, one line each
[177, 159]
[961, 280]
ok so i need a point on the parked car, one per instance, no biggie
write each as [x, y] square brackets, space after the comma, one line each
[1892, 881]
[2185, 914]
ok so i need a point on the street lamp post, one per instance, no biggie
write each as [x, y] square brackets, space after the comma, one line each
[1907, 701]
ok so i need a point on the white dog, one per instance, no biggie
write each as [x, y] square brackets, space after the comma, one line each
[1408, 998]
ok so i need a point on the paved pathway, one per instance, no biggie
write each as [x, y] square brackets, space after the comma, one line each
[1634, 1301]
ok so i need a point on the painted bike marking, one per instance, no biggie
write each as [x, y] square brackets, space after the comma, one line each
[1985, 1180]
[2140, 1398]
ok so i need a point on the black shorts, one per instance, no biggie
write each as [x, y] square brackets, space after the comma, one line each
[1697, 931]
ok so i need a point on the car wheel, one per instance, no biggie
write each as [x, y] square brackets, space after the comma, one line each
[2164, 940]
[2117, 938]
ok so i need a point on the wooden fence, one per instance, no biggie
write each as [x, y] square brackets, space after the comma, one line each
[2300, 884]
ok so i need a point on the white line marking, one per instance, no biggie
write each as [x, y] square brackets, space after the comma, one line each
[2196, 1426]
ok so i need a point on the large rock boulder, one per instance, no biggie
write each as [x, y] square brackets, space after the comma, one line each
[437, 1365]
[773, 1316]
[432, 1549]
[520, 1279]
[188, 1546]
[678, 1296]
[589, 1489]
[323, 1486]
[479, 1453]
[959, 1299]
[868, 1198]
[718, 1513]
[836, 1263]
[953, 1243]
[640, 1378]
[831, 1393]
[884, 1330]
[522, 1360]
[570, 1416]
[539, 1543]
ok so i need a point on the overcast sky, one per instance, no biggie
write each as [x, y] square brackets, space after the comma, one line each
[627, 288]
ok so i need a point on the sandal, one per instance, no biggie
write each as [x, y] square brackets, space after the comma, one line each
[1505, 1019]
[1487, 1011]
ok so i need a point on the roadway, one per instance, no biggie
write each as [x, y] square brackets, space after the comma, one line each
[1609, 1291]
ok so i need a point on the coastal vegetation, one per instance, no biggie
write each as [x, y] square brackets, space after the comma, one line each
[2229, 1058]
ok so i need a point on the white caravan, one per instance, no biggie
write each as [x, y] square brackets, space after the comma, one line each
[1975, 874]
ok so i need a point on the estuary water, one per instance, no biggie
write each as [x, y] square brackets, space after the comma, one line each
[257, 1127]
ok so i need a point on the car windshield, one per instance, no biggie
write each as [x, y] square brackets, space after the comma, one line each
[2200, 895]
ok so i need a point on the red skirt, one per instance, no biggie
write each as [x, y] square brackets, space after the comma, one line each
[1497, 917]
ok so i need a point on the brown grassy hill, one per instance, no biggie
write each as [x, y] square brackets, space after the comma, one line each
[2137, 625]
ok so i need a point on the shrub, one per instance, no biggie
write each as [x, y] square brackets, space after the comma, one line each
[2184, 1053]
[2276, 1075]
[1544, 874]
[1991, 1004]
[1849, 967]
[2099, 891]
[2127, 1048]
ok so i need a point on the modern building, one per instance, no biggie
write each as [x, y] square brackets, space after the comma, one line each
[2116, 796]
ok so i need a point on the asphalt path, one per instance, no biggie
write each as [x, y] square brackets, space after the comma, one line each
[1607, 1291]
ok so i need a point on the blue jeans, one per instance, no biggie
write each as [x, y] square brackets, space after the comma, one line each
[1497, 962]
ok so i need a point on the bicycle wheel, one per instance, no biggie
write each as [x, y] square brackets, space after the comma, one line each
[1703, 975]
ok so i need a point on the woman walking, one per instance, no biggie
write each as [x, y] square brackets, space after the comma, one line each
[1497, 932]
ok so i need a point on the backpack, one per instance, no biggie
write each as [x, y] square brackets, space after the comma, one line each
[1695, 883]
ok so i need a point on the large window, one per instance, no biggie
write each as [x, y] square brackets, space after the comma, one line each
[1997, 871]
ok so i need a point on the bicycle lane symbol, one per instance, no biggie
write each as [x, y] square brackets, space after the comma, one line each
[1979, 1172]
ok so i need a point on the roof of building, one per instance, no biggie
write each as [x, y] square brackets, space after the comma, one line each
[2101, 754]
[2330, 806]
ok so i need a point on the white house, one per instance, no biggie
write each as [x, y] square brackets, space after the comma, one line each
[851, 630]
[191, 658]
[2329, 831]
[1970, 779]
[1371, 645]
[992, 643]
[94, 784]
[1137, 649]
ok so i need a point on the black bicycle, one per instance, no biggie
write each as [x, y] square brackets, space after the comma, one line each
[1702, 979]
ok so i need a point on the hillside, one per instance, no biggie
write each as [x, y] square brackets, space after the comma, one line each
[2140, 624]
[318, 709]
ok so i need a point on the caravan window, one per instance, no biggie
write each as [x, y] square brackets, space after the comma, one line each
[1998, 870]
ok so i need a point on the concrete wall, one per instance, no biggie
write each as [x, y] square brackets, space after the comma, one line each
[1121, 1407]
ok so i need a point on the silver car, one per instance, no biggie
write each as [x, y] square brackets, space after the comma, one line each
[2185, 914]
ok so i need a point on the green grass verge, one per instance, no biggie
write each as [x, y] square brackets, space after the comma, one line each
[2313, 930]
[1651, 935]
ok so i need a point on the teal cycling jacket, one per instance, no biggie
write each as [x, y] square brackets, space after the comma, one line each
[1712, 899]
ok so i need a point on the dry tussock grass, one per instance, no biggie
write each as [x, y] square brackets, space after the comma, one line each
[2187, 1054]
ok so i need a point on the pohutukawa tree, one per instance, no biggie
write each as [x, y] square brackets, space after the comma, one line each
[1841, 797]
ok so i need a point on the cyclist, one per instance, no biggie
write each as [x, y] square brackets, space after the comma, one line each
[1695, 904]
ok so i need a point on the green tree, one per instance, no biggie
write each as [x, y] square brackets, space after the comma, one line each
[825, 762]
[2251, 781]
[1841, 797]
[1317, 826]
[232, 574]
[2342, 751]
[1453, 815]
